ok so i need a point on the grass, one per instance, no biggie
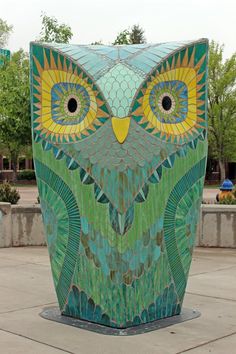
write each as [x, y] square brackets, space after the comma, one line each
[23, 185]
[212, 186]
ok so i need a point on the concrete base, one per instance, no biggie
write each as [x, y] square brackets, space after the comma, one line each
[26, 287]
[54, 314]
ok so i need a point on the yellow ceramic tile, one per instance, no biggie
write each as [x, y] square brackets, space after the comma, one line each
[192, 108]
[147, 110]
[46, 96]
[192, 101]
[53, 76]
[46, 118]
[152, 119]
[168, 129]
[93, 106]
[46, 87]
[47, 78]
[192, 84]
[175, 130]
[62, 129]
[180, 128]
[90, 116]
[73, 129]
[53, 127]
[46, 110]
[67, 129]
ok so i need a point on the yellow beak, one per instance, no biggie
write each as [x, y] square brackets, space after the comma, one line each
[120, 128]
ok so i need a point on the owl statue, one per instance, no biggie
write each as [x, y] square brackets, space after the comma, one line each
[119, 142]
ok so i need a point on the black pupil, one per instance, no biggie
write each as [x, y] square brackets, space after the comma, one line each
[166, 103]
[72, 105]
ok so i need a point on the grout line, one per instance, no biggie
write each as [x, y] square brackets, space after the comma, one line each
[208, 342]
[21, 261]
[36, 341]
[217, 256]
[38, 264]
[212, 271]
[214, 258]
[24, 264]
[212, 297]
[27, 308]
[9, 287]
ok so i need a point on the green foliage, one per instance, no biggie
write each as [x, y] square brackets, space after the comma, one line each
[122, 38]
[222, 106]
[15, 127]
[28, 175]
[26, 151]
[8, 194]
[135, 35]
[52, 31]
[97, 42]
[228, 200]
[5, 31]
[234, 193]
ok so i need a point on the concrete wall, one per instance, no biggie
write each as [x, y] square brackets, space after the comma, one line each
[217, 226]
[5, 225]
[27, 226]
[22, 226]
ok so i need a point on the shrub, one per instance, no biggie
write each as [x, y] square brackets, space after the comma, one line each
[234, 193]
[28, 175]
[228, 200]
[8, 193]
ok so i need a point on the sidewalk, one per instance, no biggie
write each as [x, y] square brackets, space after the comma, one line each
[26, 287]
[29, 194]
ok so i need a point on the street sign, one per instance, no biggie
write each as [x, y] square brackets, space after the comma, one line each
[4, 53]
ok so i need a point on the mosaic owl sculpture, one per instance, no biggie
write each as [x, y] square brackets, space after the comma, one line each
[119, 140]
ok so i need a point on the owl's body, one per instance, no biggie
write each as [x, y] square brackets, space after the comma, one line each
[120, 154]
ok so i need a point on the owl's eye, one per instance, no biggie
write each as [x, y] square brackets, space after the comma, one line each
[171, 102]
[168, 101]
[70, 103]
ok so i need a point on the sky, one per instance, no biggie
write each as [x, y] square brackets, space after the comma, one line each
[91, 21]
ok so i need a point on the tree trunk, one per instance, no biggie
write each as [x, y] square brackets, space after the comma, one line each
[222, 170]
[14, 169]
[14, 163]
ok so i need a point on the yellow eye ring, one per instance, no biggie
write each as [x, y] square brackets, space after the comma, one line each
[172, 126]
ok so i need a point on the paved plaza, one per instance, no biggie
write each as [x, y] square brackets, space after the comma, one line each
[29, 194]
[26, 288]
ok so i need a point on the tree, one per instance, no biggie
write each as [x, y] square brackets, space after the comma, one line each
[122, 37]
[5, 31]
[135, 35]
[222, 107]
[97, 42]
[52, 31]
[15, 127]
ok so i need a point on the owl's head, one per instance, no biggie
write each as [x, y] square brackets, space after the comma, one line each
[119, 114]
